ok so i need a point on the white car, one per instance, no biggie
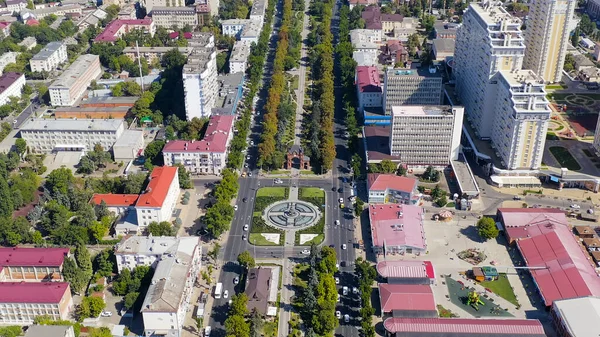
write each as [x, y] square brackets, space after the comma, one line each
[235, 207]
[226, 294]
[354, 290]
[106, 314]
[339, 297]
[346, 318]
[341, 200]
[344, 246]
[207, 331]
[245, 227]
[337, 280]
[249, 174]
[251, 142]
[244, 237]
[246, 165]
[345, 291]
[305, 252]
[236, 280]
[575, 206]
[338, 314]
[248, 157]
[337, 222]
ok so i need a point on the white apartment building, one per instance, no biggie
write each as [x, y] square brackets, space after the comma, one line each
[48, 135]
[259, 8]
[6, 58]
[56, 10]
[233, 27]
[250, 32]
[135, 251]
[22, 302]
[489, 40]
[151, 4]
[411, 87]
[11, 85]
[521, 117]
[547, 37]
[168, 17]
[74, 81]
[158, 202]
[49, 58]
[368, 87]
[426, 135]
[16, 5]
[207, 156]
[200, 76]
[28, 42]
[169, 296]
[239, 57]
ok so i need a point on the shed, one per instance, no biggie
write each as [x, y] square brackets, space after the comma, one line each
[485, 273]
[584, 232]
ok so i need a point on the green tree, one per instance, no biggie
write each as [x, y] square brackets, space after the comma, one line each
[91, 307]
[84, 260]
[214, 252]
[359, 207]
[185, 180]
[437, 192]
[431, 174]
[441, 201]
[11, 331]
[21, 146]
[99, 332]
[486, 227]
[246, 260]
[163, 228]
[6, 200]
[103, 263]
[218, 218]
[256, 324]
[236, 326]
[401, 170]
[59, 181]
[129, 300]
[239, 305]
[387, 166]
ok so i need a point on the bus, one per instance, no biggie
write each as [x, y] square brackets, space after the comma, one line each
[218, 290]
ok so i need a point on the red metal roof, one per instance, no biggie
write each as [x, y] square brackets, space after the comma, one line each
[115, 199]
[381, 182]
[8, 79]
[33, 292]
[215, 138]
[112, 29]
[158, 187]
[397, 225]
[478, 326]
[406, 297]
[406, 269]
[29, 257]
[367, 79]
[4, 24]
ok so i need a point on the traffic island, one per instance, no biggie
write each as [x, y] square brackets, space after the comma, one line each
[316, 233]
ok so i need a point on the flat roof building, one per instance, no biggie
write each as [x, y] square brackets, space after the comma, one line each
[108, 101]
[411, 87]
[200, 76]
[231, 89]
[168, 17]
[397, 228]
[11, 85]
[50, 331]
[68, 88]
[22, 302]
[153, 53]
[92, 112]
[257, 12]
[239, 57]
[577, 317]
[49, 58]
[56, 10]
[129, 146]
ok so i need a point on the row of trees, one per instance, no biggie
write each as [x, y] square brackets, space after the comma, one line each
[366, 275]
[219, 216]
[240, 322]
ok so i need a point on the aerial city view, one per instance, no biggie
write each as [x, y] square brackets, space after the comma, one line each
[299, 168]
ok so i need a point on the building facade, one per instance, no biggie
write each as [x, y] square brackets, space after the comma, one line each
[153, 53]
[200, 76]
[149, 5]
[547, 37]
[11, 85]
[368, 87]
[22, 302]
[168, 17]
[239, 57]
[32, 264]
[135, 251]
[384, 188]
[411, 87]
[47, 135]
[117, 28]
[233, 27]
[426, 135]
[49, 58]
[489, 40]
[259, 8]
[57, 10]
[158, 202]
[73, 82]
[129, 146]
[6, 58]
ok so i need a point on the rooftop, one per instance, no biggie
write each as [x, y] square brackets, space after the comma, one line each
[361, 39]
[73, 125]
[158, 187]
[147, 245]
[415, 72]
[422, 110]
[109, 100]
[235, 22]
[130, 138]
[230, 91]
[397, 225]
[406, 297]
[50, 49]
[374, 18]
[240, 52]
[522, 77]
[54, 9]
[161, 10]
[8, 79]
[444, 45]
[32, 257]
[258, 7]
[451, 327]
[492, 13]
[75, 70]
[382, 182]
[584, 230]
[378, 143]
[257, 289]
[110, 32]
[83, 110]
[405, 269]
[364, 58]
[251, 29]
[115, 200]
[579, 316]
[367, 79]
[183, 50]
[33, 292]
[47, 330]
[215, 138]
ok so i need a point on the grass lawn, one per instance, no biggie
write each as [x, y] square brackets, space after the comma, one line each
[556, 87]
[443, 312]
[280, 172]
[317, 240]
[565, 158]
[307, 172]
[311, 192]
[258, 240]
[271, 192]
[502, 288]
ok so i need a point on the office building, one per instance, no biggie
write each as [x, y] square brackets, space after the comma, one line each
[158, 202]
[73, 82]
[411, 87]
[153, 53]
[257, 13]
[129, 146]
[135, 251]
[547, 36]
[368, 87]
[169, 295]
[11, 85]
[49, 58]
[521, 116]
[48, 135]
[425, 136]
[488, 41]
[149, 5]
[391, 188]
[22, 302]
[200, 76]
[32, 264]
[7, 58]
[168, 17]
[206, 156]
[239, 57]
[117, 28]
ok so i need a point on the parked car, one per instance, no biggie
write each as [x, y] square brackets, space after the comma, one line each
[338, 314]
[236, 280]
[245, 227]
[346, 318]
[106, 314]
[575, 206]
[337, 280]
[226, 294]
[344, 290]
[207, 331]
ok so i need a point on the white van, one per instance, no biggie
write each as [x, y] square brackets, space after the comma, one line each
[218, 290]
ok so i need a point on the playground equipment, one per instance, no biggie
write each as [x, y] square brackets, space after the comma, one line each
[474, 300]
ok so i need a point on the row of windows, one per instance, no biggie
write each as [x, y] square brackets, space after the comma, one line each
[33, 269]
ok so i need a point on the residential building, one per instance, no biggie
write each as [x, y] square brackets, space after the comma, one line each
[258, 10]
[116, 203]
[49, 58]
[134, 251]
[168, 17]
[15, 6]
[363, 40]
[442, 49]
[462, 327]
[368, 87]
[489, 40]
[169, 296]
[117, 28]
[49, 135]
[590, 75]
[149, 5]
[50, 331]
[544, 239]
[581, 62]
[32, 264]
[407, 300]
[91, 113]
[129, 146]
[158, 202]
[239, 57]
[68, 88]
[127, 12]
[6, 58]
[153, 53]
[397, 229]
[521, 116]
[407, 272]
[354, 3]
[251, 32]
[258, 287]
[425, 136]
[11, 85]
[389, 24]
[108, 102]
[576, 317]
[91, 18]
[28, 42]
[5, 28]
[365, 58]
[366, 36]
[547, 36]
[22, 302]
[56, 10]
[396, 55]
[200, 76]
[391, 188]
[206, 156]
[411, 87]
[445, 30]
[231, 89]
[233, 27]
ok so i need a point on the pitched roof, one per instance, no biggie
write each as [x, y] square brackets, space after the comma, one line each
[464, 326]
[397, 225]
[259, 284]
[110, 32]
[30, 257]
[381, 182]
[32, 292]
[158, 187]
[406, 297]
[115, 199]
[215, 138]
[405, 269]
[367, 79]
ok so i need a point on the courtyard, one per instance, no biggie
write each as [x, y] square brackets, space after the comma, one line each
[579, 110]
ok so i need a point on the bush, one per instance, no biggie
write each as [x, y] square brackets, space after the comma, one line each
[260, 226]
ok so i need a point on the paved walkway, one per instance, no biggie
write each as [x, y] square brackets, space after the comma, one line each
[302, 78]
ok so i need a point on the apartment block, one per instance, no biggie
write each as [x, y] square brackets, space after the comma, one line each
[48, 135]
[521, 117]
[153, 53]
[239, 57]
[22, 302]
[233, 27]
[489, 40]
[259, 8]
[368, 87]
[547, 37]
[149, 5]
[200, 76]
[57, 10]
[168, 17]
[32, 264]
[49, 58]
[117, 28]
[6, 58]
[11, 85]
[158, 202]
[135, 251]
[426, 135]
[421, 86]
[16, 5]
[73, 82]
